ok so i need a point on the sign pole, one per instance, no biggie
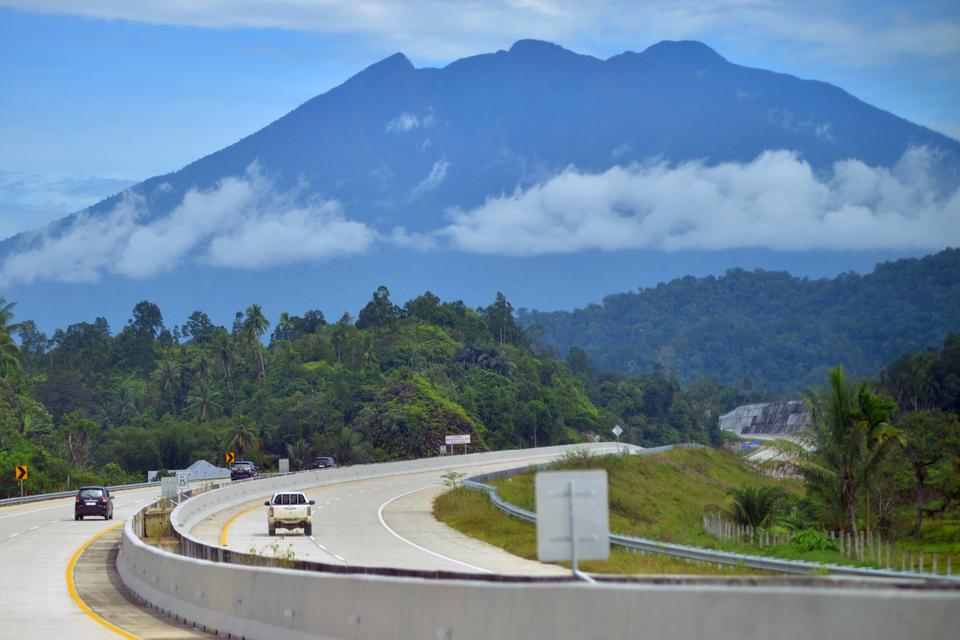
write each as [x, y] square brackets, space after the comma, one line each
[21, 491]
[573, 533]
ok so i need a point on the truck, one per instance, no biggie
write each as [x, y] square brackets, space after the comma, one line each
[289, 510]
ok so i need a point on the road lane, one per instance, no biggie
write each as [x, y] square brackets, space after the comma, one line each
[37, 541]
[381, 522]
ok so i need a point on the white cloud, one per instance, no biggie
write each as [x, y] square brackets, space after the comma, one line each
[775, 202]
[438, 173]
[242, 222]
[409, 121]
[404, 239]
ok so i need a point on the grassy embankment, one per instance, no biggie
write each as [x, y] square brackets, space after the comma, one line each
[661, 497]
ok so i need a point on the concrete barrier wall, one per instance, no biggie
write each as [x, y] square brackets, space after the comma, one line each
[256, 602]
[253, 603]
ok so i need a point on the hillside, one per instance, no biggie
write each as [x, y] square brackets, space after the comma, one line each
[766, 330]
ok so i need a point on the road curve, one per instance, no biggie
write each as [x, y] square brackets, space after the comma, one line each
[379, 522]
[37, 541]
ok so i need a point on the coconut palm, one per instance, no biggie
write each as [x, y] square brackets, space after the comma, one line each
[298, 452]
[349, 447]
[255, 325]
[241, 437]
[285, 325]
[167, 377]
[755, 506]
[848, 437]
[203, 401]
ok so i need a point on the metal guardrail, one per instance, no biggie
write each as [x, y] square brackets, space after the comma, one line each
[700, 554]
[68, 494]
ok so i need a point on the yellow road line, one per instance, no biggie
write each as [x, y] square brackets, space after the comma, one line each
[72, 588]
[226, 527]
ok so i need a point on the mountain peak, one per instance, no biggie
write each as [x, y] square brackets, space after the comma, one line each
[686, 52]
[391, 64]
[539, 49]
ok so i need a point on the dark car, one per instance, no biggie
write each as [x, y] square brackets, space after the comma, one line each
[323, 462]
[243, 469]
[93, 501]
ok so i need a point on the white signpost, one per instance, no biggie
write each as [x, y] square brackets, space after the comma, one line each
[183, 482]
[616, 432]
[283, 465]
[572, 517]
[463, 438]
[168, 487]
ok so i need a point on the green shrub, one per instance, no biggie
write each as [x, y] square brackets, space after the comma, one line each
[813, 540]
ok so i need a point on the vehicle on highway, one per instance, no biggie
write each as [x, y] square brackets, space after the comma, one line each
[289, 510]
[243, 469]
[93, 501]
[323, 462]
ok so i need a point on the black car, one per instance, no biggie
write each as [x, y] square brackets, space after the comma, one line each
[323, 462]
[243, 469]
[93, 501]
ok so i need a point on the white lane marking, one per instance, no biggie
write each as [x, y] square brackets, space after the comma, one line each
[23, 513]
[327, 502]
[324, 549]
[337, 500]
[414, 544]
[54, 521]
[13, 535]
[34, 528]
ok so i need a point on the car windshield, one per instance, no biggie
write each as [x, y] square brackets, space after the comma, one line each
[91, 493]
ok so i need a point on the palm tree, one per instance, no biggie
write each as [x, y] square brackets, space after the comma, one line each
[203, 401]
[255, 325]
[298, 452]
[167, 376]
[349, 447]
[838, 453]
[285, 324]
[755, 506]
[241, 437]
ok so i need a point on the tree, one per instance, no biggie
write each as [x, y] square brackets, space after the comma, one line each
[203, 401]
[79, 434]
[379, 312]
[931, 436]
[198, 327]
[284, 328]
[255, 325]
[298, 452]
[850, 433]
[147, 321]
[501, 322]
[167, 377]
[349, 447]
[755, 506]
[241, 436]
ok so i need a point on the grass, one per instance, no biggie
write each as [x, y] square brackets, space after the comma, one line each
[472, 513]
[662, 497]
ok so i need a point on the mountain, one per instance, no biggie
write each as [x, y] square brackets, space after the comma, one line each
[380, 179]
[766, 330]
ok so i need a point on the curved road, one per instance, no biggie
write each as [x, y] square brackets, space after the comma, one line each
[37, 541]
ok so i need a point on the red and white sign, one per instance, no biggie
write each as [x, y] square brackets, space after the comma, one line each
[460, 439]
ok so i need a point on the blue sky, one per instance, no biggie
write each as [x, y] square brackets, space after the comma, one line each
[97, 94]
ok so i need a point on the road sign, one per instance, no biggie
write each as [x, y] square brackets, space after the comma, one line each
[458, 439]
[617, 431]
[572, 516]
[21, 472]
[183, 479]
[230, 457]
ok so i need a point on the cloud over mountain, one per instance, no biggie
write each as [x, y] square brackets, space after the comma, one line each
[777, 202]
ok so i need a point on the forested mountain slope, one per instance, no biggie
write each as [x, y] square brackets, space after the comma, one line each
[766, 330]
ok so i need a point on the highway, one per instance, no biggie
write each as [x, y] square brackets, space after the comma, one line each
[37, 542]
[382, 522]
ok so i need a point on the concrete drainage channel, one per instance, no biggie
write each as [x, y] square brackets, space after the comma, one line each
[215, 589]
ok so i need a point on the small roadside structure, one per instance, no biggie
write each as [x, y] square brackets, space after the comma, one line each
[199, 470]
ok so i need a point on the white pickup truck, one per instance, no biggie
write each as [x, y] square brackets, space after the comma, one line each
[289, 510]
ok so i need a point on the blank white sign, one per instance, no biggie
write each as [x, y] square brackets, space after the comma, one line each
[590, 515]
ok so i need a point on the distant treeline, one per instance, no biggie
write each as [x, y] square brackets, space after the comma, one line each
[765, 330]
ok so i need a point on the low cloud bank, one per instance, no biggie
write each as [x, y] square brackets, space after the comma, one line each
[242, 222]
[776, 202]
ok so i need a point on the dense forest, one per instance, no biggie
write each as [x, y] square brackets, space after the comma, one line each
[90, 404]
[765, 330]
